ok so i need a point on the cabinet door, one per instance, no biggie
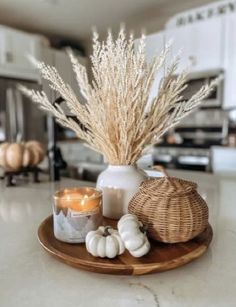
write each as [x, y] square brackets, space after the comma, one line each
[17, 47]
[201, 45]
[181, 39]
[229, 99]
[2, 47]
[154, 46]
[207, 45]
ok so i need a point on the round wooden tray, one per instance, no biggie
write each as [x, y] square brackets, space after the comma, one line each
[162, 256]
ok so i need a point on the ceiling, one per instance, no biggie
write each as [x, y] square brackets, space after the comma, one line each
[73, 19]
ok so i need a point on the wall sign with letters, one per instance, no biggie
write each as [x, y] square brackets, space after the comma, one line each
[203, 13]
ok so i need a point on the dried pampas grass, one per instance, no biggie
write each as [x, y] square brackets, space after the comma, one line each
[120, 120]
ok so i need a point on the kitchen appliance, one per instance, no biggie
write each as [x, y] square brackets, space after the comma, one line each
[208, 126]
[198, 133]
[20, 119]
[197, 80]
[182, 157]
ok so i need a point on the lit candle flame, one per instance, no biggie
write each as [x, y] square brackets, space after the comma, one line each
[84, 200]
[68, 197]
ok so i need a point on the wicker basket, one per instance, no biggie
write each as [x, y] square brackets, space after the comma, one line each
[171, 208]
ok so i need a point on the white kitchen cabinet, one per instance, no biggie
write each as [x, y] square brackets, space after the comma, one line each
[229, 100]
[15, 46]
[208, 44]
[18, 45]
[180, 39]
[154, 46]
[201, 45]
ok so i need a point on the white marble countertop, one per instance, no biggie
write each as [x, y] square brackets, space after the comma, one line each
[29, 277]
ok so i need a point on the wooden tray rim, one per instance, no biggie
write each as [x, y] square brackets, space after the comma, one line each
[72, 261]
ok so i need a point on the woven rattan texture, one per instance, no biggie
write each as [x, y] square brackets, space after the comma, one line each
[171, 208]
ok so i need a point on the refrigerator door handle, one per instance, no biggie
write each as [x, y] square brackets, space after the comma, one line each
[11, 111]
[20, 135]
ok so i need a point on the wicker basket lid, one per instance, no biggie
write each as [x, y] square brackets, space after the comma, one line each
[167, 186]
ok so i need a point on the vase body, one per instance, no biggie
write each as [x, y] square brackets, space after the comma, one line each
[119, 184]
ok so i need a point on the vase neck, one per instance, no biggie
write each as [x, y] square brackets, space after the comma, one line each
[122, 167]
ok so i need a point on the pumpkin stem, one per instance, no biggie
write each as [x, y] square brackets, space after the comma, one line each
[143, 229]
[106, 231]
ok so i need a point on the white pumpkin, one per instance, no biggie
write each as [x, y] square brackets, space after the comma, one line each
[104, 242]
[133, 235]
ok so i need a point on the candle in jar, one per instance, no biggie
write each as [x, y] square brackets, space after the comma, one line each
[76, 212]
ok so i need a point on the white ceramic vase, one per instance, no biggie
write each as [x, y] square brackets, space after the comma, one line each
[119, 184]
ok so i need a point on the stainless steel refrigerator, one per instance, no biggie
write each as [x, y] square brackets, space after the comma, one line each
[20, 118]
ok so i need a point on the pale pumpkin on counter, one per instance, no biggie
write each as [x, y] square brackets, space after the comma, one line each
[38, 152]
[14, 156]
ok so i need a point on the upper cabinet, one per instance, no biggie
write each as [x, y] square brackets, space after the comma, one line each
[200, 44]
[180, 45]
[154, 46]
[230, 62]
[15, 47]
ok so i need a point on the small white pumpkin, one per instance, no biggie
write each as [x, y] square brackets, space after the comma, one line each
[133, 235]
[104, 242]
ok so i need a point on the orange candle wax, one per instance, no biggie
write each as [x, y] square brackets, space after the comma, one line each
[78, 199]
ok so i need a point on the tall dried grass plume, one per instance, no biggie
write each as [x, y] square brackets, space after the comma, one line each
[118, 119]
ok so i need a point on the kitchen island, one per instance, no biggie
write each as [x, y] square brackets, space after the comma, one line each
[29, 277]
